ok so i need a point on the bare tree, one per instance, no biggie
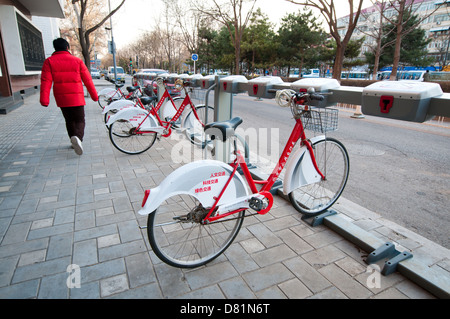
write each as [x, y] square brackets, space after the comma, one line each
[231, 14]
[85, 28]
[375, 30]
[328, 10]
[188, 21]
[404, 10]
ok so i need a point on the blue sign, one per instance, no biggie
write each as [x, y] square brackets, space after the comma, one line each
[194, 57]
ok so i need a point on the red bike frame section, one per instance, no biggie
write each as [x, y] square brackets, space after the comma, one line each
[298, 132]
[166, 124]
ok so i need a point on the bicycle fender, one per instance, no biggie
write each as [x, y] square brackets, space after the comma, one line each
[135, 116]
[117, 106]
[203, 180]
[106, 91]
[300, 169]
[168, 110]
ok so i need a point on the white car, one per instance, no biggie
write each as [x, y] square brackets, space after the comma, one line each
[95, 74]
[120, 74]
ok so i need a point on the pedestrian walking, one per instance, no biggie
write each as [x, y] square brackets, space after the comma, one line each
[67, 73]
[426, 76]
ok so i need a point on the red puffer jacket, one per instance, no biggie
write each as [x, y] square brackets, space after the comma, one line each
[67, 72]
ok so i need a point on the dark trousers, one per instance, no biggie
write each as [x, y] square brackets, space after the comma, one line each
[75, 122]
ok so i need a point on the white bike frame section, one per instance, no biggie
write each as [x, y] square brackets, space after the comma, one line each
[135, 116]
[107, 92]
[203, 180]
[300, 169]
[117, 106]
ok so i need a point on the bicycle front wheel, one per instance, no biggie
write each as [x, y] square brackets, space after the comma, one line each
[126, 139]
[178, 237]
[333, 161]
[194, 128]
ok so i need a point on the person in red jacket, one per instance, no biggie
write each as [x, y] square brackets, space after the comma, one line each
[67, 73]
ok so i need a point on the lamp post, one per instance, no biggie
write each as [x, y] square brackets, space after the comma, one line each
[113, 45]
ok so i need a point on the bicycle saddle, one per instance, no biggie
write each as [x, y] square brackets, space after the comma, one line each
[222, 130]
[132, 88]
[146, 100]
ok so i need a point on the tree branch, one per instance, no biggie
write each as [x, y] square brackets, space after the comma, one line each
[98, 25]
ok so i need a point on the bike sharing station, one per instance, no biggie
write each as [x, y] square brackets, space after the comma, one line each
[400, 100]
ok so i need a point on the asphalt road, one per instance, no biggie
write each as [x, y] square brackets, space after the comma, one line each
[398, 169]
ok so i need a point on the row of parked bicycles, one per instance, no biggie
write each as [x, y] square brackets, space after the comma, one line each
[135, 119]
[196, 212]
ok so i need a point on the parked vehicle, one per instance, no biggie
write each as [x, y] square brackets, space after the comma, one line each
[156, 71]
[439, 76]
[151, 83]
[402, 75]
[95, 74]
[311, 73]
[411, 75]
[120, 74]
[354, 75]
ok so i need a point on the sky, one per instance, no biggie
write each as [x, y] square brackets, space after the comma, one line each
[137, 16]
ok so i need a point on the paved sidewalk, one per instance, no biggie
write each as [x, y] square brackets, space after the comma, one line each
[58, 209]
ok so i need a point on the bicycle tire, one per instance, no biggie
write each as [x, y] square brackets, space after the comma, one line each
[194, 129]
[189, 244]
[333, 161]
[168, 111]
[123, 136]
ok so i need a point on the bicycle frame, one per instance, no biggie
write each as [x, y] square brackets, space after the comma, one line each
[117, 94]
[298, 133]
[166, 124]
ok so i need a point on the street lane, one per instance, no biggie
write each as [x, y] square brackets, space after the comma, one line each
[397, 169]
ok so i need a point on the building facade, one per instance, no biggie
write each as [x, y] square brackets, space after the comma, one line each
[22, 47]
[435, 16]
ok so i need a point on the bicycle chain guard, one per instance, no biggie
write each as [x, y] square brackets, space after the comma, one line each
[259, 204]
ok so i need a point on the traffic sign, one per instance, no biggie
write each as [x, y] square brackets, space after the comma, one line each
[194, 57]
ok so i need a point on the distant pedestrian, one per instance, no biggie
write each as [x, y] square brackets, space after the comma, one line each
[426, 76]
[67, 73]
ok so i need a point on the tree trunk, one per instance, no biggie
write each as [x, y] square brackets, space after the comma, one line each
[84, 44]
[377, 59]
[338, 61]
[378, 48]
[237, 47]
[398, 41]
[238, 58]
[376, 65]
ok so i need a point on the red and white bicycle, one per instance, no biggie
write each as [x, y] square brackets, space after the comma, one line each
[110, 95]
[133, 130]
[197, 211]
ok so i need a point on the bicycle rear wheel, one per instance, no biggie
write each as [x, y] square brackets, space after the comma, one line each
[124, 137]
[105, 100]
[178, 237]
[333, 161]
